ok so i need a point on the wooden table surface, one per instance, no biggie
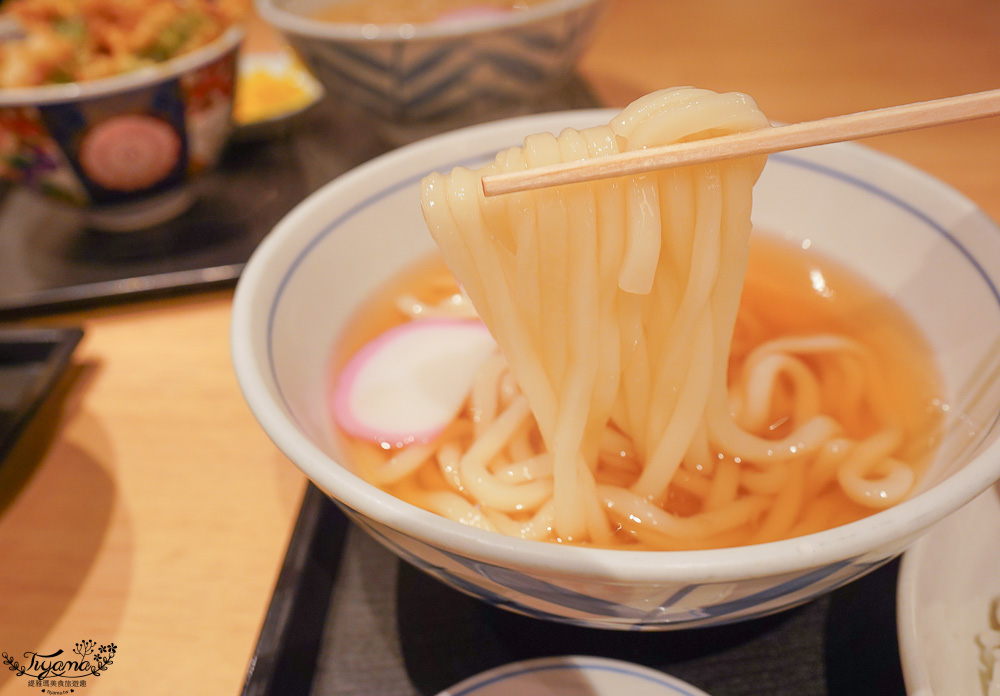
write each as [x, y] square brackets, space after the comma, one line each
[145, 507]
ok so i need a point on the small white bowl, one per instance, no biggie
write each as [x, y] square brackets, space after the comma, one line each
[414, 80]
[922, 243]
[573, 674]
[949, 583]
[258, 117]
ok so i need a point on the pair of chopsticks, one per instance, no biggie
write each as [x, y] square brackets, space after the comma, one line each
[864, 124]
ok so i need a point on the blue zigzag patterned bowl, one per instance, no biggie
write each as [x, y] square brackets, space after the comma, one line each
[917, 240]
[415, 80]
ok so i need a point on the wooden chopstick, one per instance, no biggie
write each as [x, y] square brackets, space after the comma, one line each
[864, 124]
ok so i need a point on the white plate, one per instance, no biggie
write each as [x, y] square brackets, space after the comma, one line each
[593, 676]
[947, 583]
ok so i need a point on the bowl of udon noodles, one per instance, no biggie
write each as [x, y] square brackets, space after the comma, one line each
[115, 108]
[413, 69]
[685, 398]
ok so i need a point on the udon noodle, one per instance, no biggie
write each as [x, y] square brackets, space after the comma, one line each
[620, 408]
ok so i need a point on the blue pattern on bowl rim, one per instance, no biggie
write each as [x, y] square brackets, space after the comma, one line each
[523, 593]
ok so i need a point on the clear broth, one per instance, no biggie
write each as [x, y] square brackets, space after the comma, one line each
[788, 291]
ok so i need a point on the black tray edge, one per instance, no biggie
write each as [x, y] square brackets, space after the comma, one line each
[112, 292]
[64, 342]
[292, 631]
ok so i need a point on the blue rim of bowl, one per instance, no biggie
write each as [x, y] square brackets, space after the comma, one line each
[125, 82]
[839, 546]
[294, 23]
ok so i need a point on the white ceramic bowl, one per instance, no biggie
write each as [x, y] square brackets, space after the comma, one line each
[949, 583]
[919, 241]
[416, 80]
[124, 148]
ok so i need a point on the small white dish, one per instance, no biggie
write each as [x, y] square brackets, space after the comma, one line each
[279, 68]
[948, 583]
[573, 674]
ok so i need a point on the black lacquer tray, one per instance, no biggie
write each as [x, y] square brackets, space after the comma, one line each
[348, 618]
[51, 261]
[31, 362]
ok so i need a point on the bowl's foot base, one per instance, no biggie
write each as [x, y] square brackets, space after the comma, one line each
[128, 217]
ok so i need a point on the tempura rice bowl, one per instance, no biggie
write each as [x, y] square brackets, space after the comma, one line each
[124, 148]
[923, 244]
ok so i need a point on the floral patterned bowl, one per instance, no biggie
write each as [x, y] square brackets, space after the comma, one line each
[918, 241]
[123, 148]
